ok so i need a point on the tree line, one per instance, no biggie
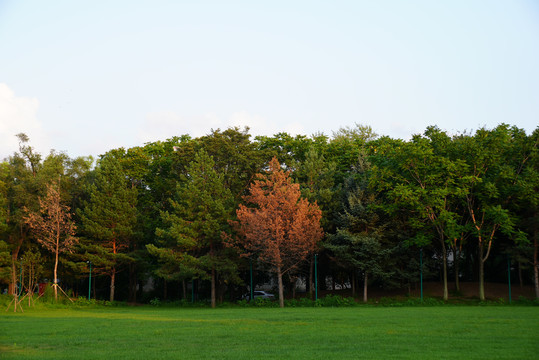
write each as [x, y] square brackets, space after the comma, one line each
[197, 213]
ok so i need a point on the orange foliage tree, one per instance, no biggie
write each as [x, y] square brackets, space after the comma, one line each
[277, 224]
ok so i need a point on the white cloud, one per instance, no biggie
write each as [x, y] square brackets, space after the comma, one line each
[19, 114]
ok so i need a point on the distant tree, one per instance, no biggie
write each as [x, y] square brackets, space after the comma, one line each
[286, 148]
[361, 133]
[494, 170]
[5, 262]
[3, 203]
[418, 178]
[4, 249]
[32, 268]
[52, 226]
[135, 165]
[521, 197]
[316, 177]
[236, 158]
[155, 172]
[175, 262]
[277, 224]
[20, 189]
[27, 152]
[528, 184]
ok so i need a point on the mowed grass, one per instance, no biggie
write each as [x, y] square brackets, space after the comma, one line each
[443, 332]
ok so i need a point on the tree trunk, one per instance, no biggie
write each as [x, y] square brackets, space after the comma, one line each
[13, 285]
[56, 275]
[213, 276]
[280, 282]
[184, 288]
[221, 288]
[112, 279]
[536, 264]
[353, 280]
[456, 266]
[481, 273]
[132, 283]
[520, 280]
[213, 287]
[293, 281]
[365, 285]
[31, 271]
[14, 258]
[444, 255]
[113, 276]
[311, 272]
[164, 289]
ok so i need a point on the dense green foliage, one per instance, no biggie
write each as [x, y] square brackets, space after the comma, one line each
[155, 221]
[448, 332]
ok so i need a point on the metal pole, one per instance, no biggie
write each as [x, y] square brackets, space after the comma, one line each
[90, 282]
[509, 276]
[251, 287]
[421, 271]
[20, 281]
[315, 277]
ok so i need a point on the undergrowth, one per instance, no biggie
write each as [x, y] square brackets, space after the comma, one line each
[48, 301]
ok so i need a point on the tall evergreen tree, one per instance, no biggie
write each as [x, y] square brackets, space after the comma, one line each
[200, 213]
[316, 177]
[108, 217]
[358, 243]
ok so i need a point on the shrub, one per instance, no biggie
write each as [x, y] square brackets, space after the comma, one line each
[259, 302]
[243, 303]
[527, 302]
[335, 301]
[301, 302]
[427, 301]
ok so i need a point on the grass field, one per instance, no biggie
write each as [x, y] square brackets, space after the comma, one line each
[443, 332]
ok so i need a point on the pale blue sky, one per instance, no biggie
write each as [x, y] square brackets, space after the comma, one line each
[86, 77]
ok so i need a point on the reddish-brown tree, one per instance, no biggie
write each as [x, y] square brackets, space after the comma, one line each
[53, 227]
[277, 224]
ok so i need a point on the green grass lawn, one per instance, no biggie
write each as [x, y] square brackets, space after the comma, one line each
[441, 332]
